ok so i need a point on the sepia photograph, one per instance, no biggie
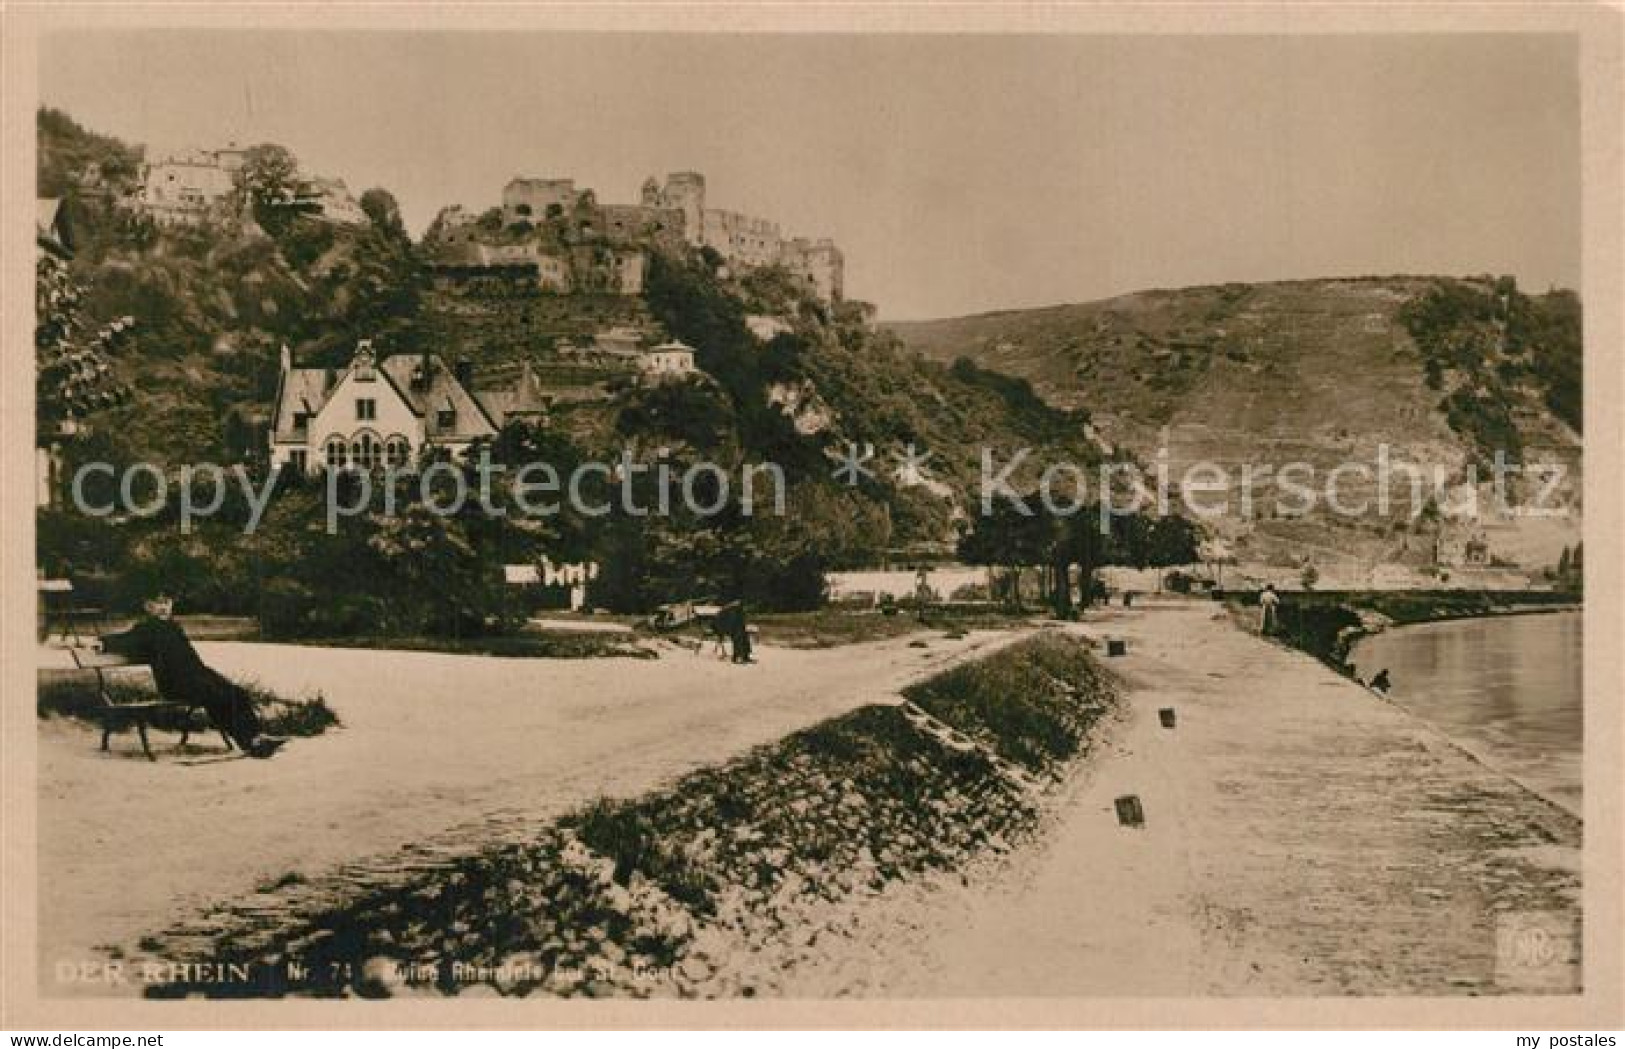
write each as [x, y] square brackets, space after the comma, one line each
[820, 515]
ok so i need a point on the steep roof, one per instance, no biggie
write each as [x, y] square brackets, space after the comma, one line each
[302, 391]
[438, 391]
[306, 390]
[524, 400]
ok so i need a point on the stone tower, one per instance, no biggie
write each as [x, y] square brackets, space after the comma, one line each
[685, 190]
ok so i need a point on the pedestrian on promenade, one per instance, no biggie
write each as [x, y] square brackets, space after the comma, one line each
[731, 621]
[1269, 604]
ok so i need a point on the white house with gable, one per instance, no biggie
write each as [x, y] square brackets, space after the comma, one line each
[376, 413]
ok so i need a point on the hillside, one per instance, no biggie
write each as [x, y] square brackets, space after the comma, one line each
[213, 302]
[1441, 371]
[209, 304]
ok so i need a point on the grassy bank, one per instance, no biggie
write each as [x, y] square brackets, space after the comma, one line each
[710, 886]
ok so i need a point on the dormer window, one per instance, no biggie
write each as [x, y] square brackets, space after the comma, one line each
[366, 408]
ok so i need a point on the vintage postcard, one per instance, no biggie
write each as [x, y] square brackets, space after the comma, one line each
[870, 516]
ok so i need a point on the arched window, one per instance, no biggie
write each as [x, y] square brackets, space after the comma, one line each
[397, 451]
[365, 451]
[336, 453]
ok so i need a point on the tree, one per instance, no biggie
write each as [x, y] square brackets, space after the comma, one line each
[1009, 539]
[691, 411]
[782, 560]
[70, 157]
[379, 293]
[570, 534]
[1062, 542]
[73, 366]
[435, 571]
[385, 213]
[417, 571]
[1173, 540]
[268, 186]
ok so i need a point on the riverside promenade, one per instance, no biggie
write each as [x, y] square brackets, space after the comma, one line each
[1302, 836]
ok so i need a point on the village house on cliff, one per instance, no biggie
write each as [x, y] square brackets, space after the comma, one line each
[669, 360]
[184, 188]
[194, 186]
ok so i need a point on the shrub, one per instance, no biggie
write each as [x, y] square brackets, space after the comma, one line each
[1483, 417]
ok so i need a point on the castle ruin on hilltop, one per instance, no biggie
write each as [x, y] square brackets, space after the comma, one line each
[745, 240]
[605, 246]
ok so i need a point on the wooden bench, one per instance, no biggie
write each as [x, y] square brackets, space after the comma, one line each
[115, 717]
[60, 608]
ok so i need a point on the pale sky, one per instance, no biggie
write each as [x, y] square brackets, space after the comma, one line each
[958, 173]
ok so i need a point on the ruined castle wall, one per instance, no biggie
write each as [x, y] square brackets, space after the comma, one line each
[529, 198]
[818, 265]
[743, 239]
[634, 223]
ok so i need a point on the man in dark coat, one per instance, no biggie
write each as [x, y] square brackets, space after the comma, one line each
[731, 621]
[182, 677]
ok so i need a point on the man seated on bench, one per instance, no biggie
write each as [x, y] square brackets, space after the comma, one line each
[182, 677]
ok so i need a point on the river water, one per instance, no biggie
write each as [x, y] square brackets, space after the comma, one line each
[1508, 688]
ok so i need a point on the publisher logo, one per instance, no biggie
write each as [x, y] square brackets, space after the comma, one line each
[1537, 952]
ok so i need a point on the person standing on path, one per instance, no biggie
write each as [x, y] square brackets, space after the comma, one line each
[731, 621]
[922, 592]
[1269, 603]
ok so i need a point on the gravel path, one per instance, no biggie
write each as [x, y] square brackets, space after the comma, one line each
[433, 747]
[1302, 836]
